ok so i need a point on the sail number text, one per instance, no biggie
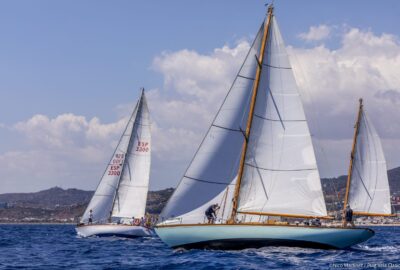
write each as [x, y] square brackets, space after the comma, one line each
[142, 146]
[116, 164]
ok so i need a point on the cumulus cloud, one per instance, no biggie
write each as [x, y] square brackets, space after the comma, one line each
[68, 150]
[316, 33]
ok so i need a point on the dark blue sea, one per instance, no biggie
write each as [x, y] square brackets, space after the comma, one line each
[58, 247]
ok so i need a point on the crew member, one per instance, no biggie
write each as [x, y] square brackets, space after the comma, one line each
[210, 213]
[90, 216]
[349, 216]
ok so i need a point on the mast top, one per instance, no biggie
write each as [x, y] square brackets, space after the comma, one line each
[270, 7]
[361, 101]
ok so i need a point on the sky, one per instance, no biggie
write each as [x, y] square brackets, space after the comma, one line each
[70, 73]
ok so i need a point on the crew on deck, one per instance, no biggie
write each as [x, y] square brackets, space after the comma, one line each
[90, 216]
[349, 216]
[211, 213]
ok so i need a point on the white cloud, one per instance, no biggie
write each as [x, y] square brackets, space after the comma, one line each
[316, 33]
[67, 150]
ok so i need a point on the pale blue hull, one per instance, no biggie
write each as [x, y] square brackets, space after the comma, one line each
[246, 236]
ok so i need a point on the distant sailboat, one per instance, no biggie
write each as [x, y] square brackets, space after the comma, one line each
[257, 162]
[120, 197]
[367, 190]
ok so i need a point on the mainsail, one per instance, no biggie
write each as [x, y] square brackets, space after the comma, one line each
[280, 170]
[122, 190]
[369, 186]
[214, 167]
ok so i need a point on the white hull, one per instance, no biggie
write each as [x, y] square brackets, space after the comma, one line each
[119, 230]
[241, 236]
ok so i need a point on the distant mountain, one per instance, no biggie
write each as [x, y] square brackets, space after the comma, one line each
[61, 205]
[49, 198]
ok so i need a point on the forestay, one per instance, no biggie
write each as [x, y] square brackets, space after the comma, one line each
[130, 200]
[369, 185]
[214, 167]
[280, 173]
[103, 199]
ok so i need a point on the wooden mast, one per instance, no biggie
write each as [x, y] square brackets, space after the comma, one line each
[260, 60]
[350, 172]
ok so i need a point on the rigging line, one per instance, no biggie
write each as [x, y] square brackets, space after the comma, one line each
[231, 129]
[362, 182]
[262, 182]
[271, 66]
[205, 181]
[276, 107]
[129, 171]
[281, 170]
[244, 77]
[278, 120]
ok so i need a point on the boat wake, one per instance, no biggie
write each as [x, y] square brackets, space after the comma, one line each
[373, 248]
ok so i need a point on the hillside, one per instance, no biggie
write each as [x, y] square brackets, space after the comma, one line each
[61, 205]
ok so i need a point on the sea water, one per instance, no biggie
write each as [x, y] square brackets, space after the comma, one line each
[58, 247]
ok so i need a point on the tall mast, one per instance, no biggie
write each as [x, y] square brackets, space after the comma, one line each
[356, 129]
[260, 61]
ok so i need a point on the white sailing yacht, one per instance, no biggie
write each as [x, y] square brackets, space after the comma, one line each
[119, 201]
[367, 190]
[257, 162]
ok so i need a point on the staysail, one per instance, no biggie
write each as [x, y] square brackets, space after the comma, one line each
[214, 167]
[280, 170]
[369, 185]
[126, 177]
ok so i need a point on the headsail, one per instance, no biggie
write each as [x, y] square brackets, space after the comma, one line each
[369, 185]
[130, 200]
[215, 164]
[105, 195]
[280, 171]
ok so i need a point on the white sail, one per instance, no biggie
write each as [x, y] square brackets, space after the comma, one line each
[280, 173]
[369, 186]
[215, 164]
[101, 204]
[130, 200]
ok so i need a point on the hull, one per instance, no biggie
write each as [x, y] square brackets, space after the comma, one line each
[241, 236]
[113, 230]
